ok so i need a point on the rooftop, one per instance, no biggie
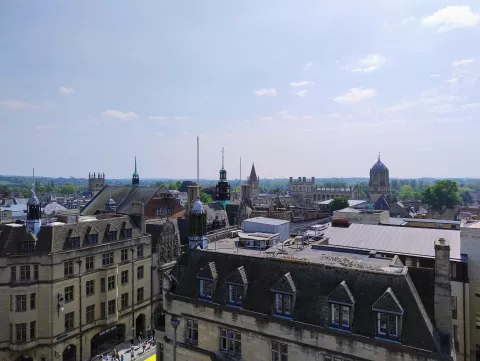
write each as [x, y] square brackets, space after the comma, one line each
[351, 202]
[396, 240]
[264, 220]
[321, 255]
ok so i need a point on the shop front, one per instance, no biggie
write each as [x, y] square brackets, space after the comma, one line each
[107, 339]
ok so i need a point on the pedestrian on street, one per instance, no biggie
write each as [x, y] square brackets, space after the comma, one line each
[121, 357]
[132, 355]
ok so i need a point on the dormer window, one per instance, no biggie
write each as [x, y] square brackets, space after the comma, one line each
[237, 285]
[387, 324]
[340, 315]
[74, 242]
[283, 304]
[28, 246]
[92, 239]
[128, 233]
[207, 280]
[235, 294]
[284, 296]
[341, 304]
[388, 314]
[206, 289]
[112, 236]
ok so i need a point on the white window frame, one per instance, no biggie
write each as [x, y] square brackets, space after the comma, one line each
[232, 338]
[204, 288]
[277, 352]
[235, 294]
[387, 324]
[343, 322]
[280, 302]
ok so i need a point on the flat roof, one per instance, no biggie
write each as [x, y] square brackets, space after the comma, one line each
[306, 253]
[432, 220]
[395, 240]
[264, 220]
[351, 202]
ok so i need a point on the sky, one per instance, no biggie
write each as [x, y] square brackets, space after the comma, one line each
[301, 88]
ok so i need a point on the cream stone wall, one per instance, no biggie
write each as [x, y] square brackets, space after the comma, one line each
[51, 336]
[303, 344]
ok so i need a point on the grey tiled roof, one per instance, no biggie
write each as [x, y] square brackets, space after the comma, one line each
[209, 271]
[341, 294]
[54, 238]
[313, 283]
[388, 302]
[238, 277]
[285, 284]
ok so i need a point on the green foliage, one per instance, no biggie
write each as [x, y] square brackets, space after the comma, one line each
[467, 197]
[68, 189]
[339, 202]
[442, 193]
[173, 185]
[205, 198]
[406, 192]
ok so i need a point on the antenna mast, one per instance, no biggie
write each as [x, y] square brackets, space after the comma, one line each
[223, 156]
[198, 160]
[240, 170]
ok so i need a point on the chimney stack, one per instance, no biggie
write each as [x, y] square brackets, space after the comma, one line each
[192, 196]
[443, 293]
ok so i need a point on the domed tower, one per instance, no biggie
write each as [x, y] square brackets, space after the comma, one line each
[110, 205]
[223, 187]
[34, 212]
[197, 226]
[379, 181]
[135, 177]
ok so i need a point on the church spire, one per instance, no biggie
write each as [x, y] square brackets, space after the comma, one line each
[223, 187]
[135, 177]
[379, 156]
[34, 213]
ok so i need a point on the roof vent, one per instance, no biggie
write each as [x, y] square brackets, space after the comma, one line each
[343, 223]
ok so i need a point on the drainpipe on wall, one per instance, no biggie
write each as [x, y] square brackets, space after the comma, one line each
[79, 261]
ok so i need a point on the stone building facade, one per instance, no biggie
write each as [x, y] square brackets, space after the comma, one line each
[222, 305]
[73, 290]
[254, 182]
[306, 192]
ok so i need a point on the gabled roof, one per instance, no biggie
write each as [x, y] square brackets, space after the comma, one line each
[208, 272]
[388, 302]
[381, 204]
[341, 294]
[238, 277]
[313, 283]
[285, 284]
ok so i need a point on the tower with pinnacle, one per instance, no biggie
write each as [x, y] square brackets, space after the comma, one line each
[223, 187]
[96, 181]
[379, 184]
[254, 182]
[135, 177]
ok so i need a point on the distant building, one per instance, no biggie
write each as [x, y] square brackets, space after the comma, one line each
[222, 195]
[96, 182]
[254, 182]
[306, 192]
[379, 181]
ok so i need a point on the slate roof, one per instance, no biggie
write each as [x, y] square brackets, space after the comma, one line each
[238, 277]
[388, 302]
[123, 196]
[341, 294]
[313, 284]
[381, 204]
[54, 238]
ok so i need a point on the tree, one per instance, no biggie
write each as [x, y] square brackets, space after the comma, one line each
[339, 202]
[172, 186]
[406, 192]
[178, 184]
[205, 198]
[467, 197]
[68, 189]
[442, 193]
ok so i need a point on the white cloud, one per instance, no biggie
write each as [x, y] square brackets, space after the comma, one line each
[463, 62]
[66, 90]
[301, 93]
[49, 126]
[407, 20]
[158, 117]
[434, 75]
[181, 118]
[302, 83]
[356, 95]
[439, 99]
[266, 92]
[452, 81]
[18, 104]
[265, 118]
[400, 106]
[308, 65]
[470, 106]
[452, 17]
[159, 134]
[441, 108]
[307, 117]
[117, 114]
[297, 84]
[370, 63]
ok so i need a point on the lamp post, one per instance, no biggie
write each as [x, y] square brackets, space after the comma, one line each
[59, 305]
[174, 322]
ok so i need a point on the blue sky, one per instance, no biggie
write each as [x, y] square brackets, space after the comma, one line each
[301, 88]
